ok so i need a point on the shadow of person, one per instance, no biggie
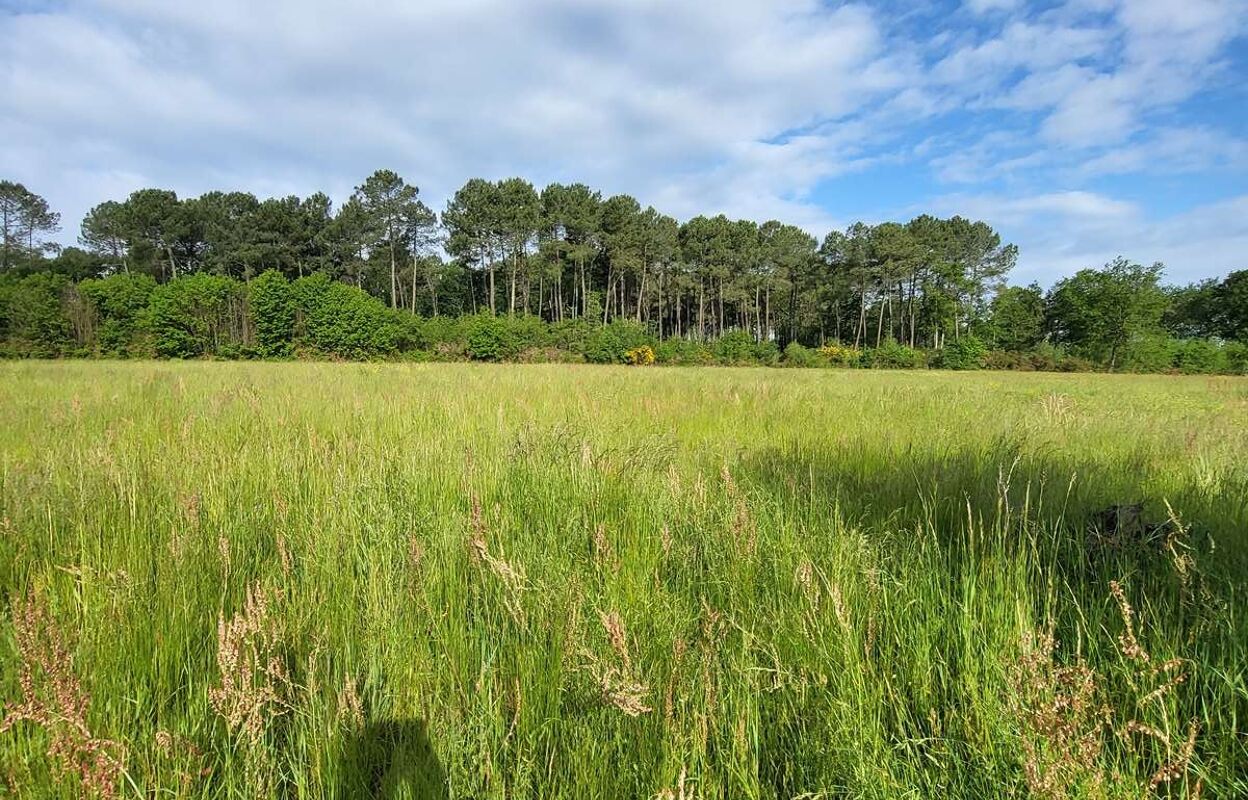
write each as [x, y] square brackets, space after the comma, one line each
[392, 760]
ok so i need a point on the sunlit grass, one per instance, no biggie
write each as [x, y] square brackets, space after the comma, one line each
[580, 582]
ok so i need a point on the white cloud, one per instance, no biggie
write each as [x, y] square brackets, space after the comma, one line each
[298, 96]
[734, 106]
[987, 6]
[1061, 232]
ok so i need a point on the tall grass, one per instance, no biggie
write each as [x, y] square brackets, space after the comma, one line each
[457, 581]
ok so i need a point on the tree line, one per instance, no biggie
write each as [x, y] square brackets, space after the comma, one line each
[566, 256]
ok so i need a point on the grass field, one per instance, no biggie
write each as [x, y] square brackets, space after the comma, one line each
[456, 581]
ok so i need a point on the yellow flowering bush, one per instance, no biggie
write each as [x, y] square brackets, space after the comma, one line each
[840, 355]
[640, 356]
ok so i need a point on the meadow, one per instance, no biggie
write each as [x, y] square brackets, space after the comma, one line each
[481, 581]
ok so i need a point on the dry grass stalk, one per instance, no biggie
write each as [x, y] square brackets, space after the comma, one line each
[415, 553]
[255, 687]
[1062, 721]
[178, 748]
[744, 531]
[283, 552]
[1177, 767]
[616, 681]
[604, 553]
[1058, 407]
[53, 698]
[512, 576]
[223, 548]
[1127, 641]
[350, 708]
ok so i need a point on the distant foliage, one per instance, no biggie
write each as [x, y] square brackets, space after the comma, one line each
[893, 355]
[640, 356]
[32, 317]
[272, 307]
[488, 338]
[343, 321]
[839, 355]
[118, 304]
[610, 343]
[128, 315]
[198, 315]
[967, 352]
[798, 355]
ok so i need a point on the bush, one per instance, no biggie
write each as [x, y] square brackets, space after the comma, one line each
[1199, 356]
[736, 347]
[443, 335]
[197, 315]
[1009, 360]
[966, 352]
[272, 308]
[571, 334]
[894, 355]
[610, 343]
[640, 356]
[1154, 353]
[680, 351]
[341, 320]
[526, 332]
[32, 317]
[839, 355]
[119, 303]
[1236, 356]
[798, 355]
[487, 338]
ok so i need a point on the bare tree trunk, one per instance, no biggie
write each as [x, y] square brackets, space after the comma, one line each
[584, 290]
[701, 311]
[511, 299]
[394, 277]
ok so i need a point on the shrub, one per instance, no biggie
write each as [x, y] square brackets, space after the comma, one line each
[443, 335]
[1236, 356]
[640, 356]
[344, 321]
[681, 351]
[610, 343]
[525, 332]
[571, 334]
[197, 315]
[1199, 356]
[272, 307]
[966, 352]
[838, 355]
[798, 355]
[32, 317]
[767, 353]
[119, 303]
[1009, 359]
[487, 338]
[735, 347]
[1152, 353]
[894, 355]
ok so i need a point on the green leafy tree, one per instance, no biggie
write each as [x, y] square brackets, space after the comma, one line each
[399, 221]
[24, 219]
[272, 308]
[1100, 312]
[1016, 318]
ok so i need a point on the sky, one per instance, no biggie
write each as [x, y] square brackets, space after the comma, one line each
[1081, 130]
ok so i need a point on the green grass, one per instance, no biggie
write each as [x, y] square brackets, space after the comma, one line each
[830, 583]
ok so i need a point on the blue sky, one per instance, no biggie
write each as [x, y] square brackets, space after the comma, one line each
[1082, 130]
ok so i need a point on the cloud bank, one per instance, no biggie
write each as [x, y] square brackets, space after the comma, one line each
[1080, 130]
